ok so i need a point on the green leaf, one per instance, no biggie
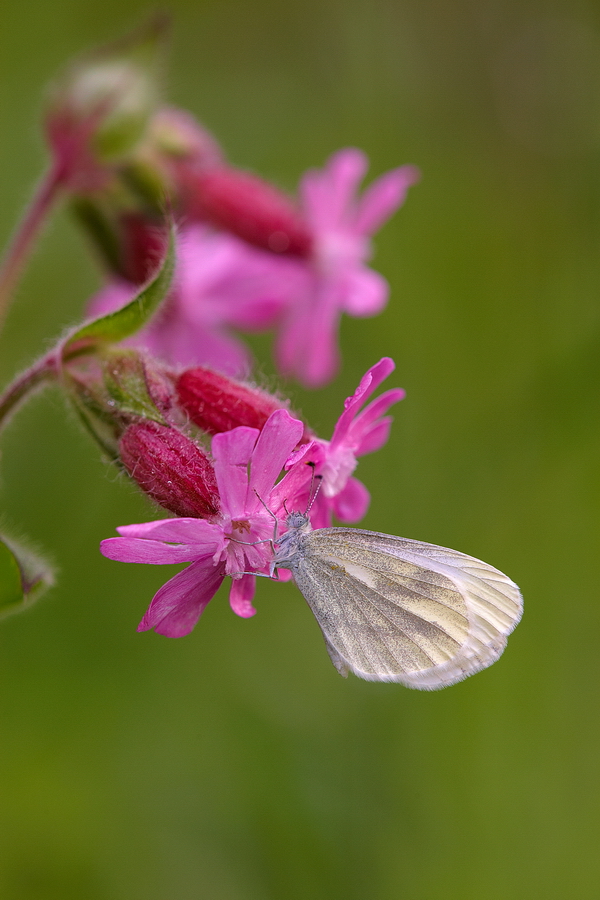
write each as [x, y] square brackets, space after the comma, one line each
[94, 219]
[97, 422]
[23, 577]
[124, 322]
[126, 380]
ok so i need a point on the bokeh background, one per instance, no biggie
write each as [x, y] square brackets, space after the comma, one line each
[235, 764]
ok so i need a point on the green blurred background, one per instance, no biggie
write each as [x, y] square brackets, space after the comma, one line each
[235, 764]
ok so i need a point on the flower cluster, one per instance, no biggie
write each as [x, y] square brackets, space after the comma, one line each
[196, 252]
[224, 282]
[238, 497]
[249, 258]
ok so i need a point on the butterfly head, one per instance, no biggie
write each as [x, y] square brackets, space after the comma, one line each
[298, 521]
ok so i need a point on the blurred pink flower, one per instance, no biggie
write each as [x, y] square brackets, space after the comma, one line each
[338, 280]
[356, 433]
[224, 284]
[247, 463]
[221, 284]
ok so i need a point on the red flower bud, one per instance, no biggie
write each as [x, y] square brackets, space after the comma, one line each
[171, 468]
[248, 207]
[216, 403]
[143, 246]
[99, 107]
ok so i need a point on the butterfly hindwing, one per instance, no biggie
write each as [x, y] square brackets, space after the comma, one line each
[393, 609]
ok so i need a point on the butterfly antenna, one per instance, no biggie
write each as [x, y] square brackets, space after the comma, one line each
[313, 494]
[271, 513]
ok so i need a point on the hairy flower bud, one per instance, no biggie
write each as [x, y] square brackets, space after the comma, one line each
[216, 403]
[249, 208]
[99, 108]
[171, 468]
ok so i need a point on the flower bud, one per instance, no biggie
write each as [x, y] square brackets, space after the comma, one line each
[247, 207]
[171, 468]
[142, 246]
[99, 108]
[174, 145]
[216, 403]
[115, 388]
[130, 239]
[177, 136]
[139, 387]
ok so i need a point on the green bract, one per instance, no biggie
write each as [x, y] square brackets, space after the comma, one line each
[116, 326]
[23, 578]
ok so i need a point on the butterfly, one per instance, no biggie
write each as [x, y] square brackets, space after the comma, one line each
[393, 609]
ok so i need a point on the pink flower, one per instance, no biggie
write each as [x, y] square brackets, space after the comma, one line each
[224, 284]
[356, 433]
[221, 284]
[338, 279]
[247, 463]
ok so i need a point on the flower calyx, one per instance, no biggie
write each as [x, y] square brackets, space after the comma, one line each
[217, 403]
[99, 107]
[170, 468]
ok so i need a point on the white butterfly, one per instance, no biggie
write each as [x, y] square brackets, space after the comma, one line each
[393, 609]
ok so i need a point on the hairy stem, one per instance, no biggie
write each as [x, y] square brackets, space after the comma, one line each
[23, 238]
[44, 370]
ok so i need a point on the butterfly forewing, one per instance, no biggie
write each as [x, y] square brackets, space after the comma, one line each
[378, 632]
[393, 609]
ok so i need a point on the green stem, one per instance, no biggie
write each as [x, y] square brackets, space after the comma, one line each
[45, 369]
[28, 229]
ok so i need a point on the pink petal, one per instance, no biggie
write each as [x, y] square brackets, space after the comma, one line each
[383, 197]
[378, 407]
[314, 199]
[327, 195]
[110, 298]
[291, 338]
[307, 346]
[323, 360]
[284, 575]
[293, 489]
[181, 340]
[375, 437]
[177, 531]
[368, 383]
[279, 436]
[351, 504]
[204, 258]
[379, 372]
[259, 288]
[293, 492]
[304, 450]
[345, 170]
[241, 594]
[206, 346]
[232, 451]
[366, 292]
[362, 429]
[136, 550]
[224, 279]
[179, 603]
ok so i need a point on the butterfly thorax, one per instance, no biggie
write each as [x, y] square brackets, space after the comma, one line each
[289, 546]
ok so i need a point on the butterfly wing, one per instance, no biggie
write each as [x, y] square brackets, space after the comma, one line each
[393, 609]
